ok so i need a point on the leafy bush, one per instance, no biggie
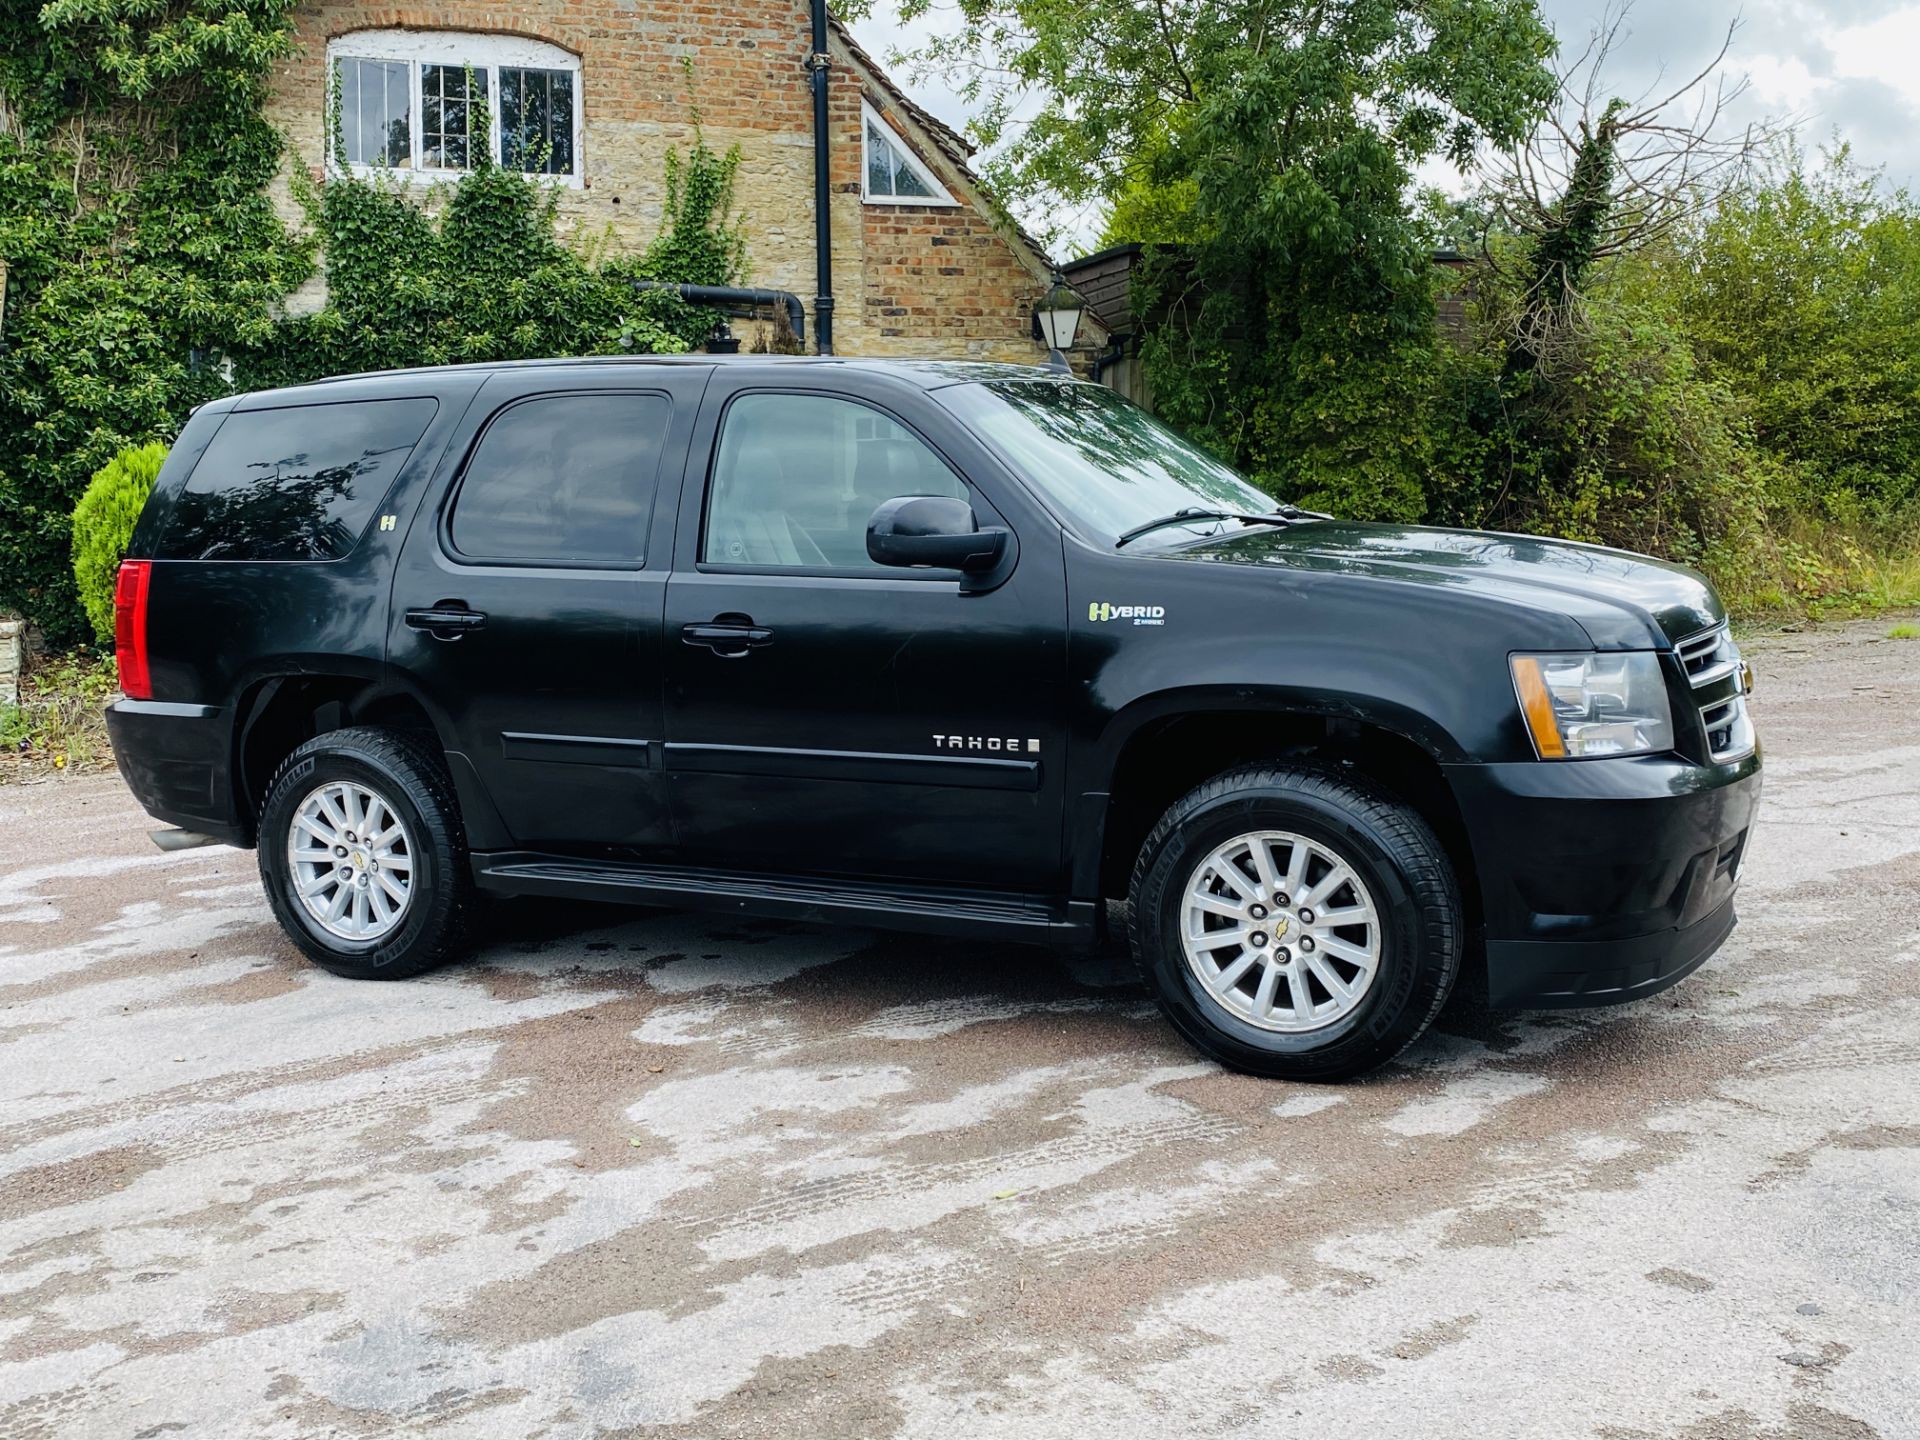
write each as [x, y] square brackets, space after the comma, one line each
[103, 523]
[1801, 292]
[476, 271]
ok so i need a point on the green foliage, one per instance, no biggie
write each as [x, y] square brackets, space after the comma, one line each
[476, 271]
[1269, 144]
[1744, 396]
[1904, 632]
[103, 523]
[1802, 294]
[59, 723]
[148, 268]
[1613, 433]
[138, 236]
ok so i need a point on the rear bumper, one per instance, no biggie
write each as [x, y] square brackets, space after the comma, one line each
[1604, 880]
[176, 760]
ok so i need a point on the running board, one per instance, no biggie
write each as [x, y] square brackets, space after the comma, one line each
[931, 910]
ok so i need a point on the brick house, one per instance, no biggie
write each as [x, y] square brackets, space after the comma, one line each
[593, 93]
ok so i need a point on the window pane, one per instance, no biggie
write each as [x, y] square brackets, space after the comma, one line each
[1101, 458]
[563, 477]
[889, 172]
[798, 477]
[299, 483]
[373, 112]
[536, 121]
[879, 163]
[449, 113]
[906, 181]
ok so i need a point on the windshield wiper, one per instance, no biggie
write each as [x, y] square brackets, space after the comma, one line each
[1182, 517]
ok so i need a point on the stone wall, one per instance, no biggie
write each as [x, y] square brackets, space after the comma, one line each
[13, 635]
[908, 280]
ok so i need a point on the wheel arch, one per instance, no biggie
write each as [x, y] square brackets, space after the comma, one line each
[275, 714]
[1161, 747]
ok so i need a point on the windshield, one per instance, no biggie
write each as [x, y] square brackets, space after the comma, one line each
[1101, 459]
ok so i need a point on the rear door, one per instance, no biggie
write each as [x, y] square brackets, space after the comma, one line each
[527, 603]
[827, 715]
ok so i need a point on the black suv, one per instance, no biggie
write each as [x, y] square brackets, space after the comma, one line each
[949, 647]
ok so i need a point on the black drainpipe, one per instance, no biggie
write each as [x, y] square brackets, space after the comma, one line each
[732, 295]
[822, 191]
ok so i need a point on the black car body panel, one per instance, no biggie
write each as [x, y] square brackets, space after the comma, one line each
[923, 748]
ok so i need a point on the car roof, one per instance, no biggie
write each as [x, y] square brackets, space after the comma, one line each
[928, 374]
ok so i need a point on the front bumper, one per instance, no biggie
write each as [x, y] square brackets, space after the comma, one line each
[176, 760]
[1604, 880]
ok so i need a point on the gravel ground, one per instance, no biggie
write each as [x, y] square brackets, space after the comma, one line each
[651, 1173]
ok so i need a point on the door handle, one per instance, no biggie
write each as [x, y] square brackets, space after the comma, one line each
[729, 635]
[446, 620]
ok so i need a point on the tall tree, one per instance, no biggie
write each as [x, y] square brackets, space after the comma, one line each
[1273, 142]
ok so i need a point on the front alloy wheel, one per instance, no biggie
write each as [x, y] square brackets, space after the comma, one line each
[1296, 920]
[1281, 931]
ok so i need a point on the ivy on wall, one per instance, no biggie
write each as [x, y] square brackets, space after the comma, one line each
[148, 270]
[474, 271]
[138, 238]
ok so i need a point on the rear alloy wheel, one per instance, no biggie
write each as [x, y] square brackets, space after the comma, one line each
[363, 856]
[352, 860]
[1296, 921]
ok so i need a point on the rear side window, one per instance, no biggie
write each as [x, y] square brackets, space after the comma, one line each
[563, 479]
[298, 483]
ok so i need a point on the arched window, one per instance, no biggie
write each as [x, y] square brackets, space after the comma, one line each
[435, 101]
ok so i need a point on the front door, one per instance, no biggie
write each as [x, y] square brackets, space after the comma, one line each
[527, 605]
[829, 715]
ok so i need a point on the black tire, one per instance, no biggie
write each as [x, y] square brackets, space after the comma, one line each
[1383, 840]
[409, 777]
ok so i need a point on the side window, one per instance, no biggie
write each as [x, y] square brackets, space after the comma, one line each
[563, 478]
[298, 483]
[797, 477]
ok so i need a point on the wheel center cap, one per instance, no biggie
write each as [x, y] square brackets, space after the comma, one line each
[359, 859]
[1280, 927]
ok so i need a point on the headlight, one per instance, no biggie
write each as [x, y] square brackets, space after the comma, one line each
[1584, 705]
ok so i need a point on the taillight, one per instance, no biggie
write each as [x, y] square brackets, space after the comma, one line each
[130, 628]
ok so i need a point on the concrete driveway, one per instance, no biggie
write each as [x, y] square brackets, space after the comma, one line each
[637, 1172]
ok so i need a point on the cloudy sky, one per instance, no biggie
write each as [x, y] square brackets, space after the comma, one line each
[1845, 67]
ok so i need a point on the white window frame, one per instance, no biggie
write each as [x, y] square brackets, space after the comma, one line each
[481, 53]
[941, 195]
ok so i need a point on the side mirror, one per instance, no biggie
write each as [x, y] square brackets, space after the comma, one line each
[933, 530]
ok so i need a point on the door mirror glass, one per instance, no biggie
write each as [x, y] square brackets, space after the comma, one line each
[932, 530]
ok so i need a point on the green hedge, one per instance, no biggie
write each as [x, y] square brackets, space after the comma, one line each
[103, 523]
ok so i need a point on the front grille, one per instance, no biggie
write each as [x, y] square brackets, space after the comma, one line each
[1719, 680]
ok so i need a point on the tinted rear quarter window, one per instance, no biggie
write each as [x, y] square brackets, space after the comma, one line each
[299, 482]
[563, 478]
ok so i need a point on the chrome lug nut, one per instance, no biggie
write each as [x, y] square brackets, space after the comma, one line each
[1258, 912]
[1306, 917]
[1259, 941]
[1306, 943]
